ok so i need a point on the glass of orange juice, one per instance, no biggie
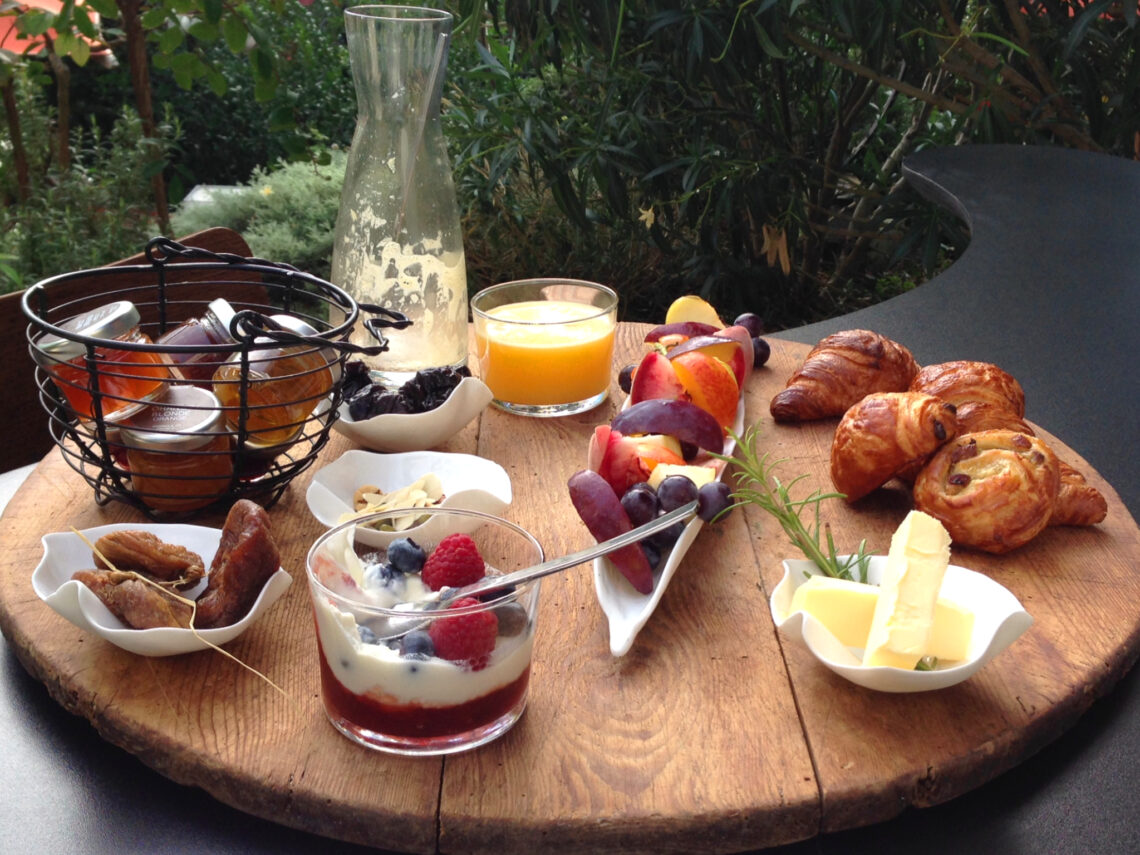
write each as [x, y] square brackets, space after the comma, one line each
[545, 347]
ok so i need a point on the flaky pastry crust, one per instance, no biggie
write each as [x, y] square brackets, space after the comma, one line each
[964, 381]
[839, 371]
[993, 490]
[884, 434]
[1078, 501]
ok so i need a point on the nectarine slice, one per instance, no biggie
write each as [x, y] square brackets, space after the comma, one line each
[710, 383]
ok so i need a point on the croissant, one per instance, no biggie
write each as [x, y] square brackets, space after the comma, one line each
[993, 490]
[964, 381]
[977, 416]
[1078, 501]
[884, 433]
[839, 371]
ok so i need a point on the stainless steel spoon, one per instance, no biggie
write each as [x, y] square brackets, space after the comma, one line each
[555, 565]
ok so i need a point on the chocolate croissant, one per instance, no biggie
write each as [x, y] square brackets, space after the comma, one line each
[885, 433]
[839, 371]
[1078, 501]
[993, 490]
[964, 381]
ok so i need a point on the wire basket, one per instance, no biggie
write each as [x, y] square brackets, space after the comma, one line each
[132, 418]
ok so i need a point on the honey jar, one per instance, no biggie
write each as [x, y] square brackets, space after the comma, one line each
[179, 451]
[284, 385]
[122, 381]
[208, 333]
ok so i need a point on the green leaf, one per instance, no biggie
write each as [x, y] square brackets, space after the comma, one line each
[106, 8]
[161, 61]
[204, 32]
[264, 89]
[213, 10]
[186, 66]
[171, 40]
[281, 118]
[35, 23]
[262, 62]
[83, 22]
[80, 52]
[217, 82]
[64, 43]
[234, 32]
[153, 18]
[184, 7]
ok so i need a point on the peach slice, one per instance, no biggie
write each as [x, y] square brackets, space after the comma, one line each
[710, 383]
[655, 378]
[728, 350]
[693, 308]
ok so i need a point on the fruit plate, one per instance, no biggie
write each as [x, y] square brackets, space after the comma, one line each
[469, 483]
[67, 552]
[626, 610]
[999, 620]
[418, 431]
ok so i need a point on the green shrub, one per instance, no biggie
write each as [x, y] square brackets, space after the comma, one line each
[93, 213]
[285, 214]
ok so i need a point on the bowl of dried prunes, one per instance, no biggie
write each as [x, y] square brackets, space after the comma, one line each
[424, 412]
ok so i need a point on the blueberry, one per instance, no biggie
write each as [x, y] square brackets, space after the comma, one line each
[512, 619]
[761, 350]
[625, 377]
[367, 635]
[383, 576]
[405, 555]
[417, 645]
[674, 491]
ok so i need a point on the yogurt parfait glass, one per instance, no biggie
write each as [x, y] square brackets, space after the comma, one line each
[408, 670]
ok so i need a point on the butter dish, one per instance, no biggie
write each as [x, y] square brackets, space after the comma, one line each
[999, 620]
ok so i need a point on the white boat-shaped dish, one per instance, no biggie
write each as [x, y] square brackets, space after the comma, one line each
[66, 552]
[999, 620]
[469, 482]
[626, 610]
[418, 431]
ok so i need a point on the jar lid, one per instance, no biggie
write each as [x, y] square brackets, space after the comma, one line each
[107, 322]
[186, 419]
[222, 311]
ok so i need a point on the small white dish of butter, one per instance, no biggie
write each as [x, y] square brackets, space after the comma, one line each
[915, 608]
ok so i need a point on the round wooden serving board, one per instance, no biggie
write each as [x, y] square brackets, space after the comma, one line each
[713, 733]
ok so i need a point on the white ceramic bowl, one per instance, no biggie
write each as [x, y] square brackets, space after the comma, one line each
[469, 483]
[999, 620]
[626, 610]
[66, 552]
[418, 431]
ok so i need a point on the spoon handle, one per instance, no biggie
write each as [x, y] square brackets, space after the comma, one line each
[554, 565]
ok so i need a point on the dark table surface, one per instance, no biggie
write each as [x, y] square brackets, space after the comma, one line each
[1049, 289]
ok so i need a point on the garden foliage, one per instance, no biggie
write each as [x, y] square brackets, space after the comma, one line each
[747, 151]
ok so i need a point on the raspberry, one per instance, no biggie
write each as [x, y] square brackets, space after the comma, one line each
[466, 638]
[454, 562]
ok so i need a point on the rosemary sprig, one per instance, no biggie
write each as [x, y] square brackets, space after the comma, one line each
[758, 485]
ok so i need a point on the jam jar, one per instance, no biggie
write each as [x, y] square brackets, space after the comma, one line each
[123, 380]
[179, 451]
[208, 332]
[284, 386]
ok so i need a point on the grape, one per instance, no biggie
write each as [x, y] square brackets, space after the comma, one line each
[675, 491]
[652, 553]
[761, 350]
[640, 503]
[625, 378]
[665, 539]
[713, 498]
[751, 322]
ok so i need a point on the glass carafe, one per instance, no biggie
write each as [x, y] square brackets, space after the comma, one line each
[398, 241]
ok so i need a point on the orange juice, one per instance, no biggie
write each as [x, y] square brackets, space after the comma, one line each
[545, 352]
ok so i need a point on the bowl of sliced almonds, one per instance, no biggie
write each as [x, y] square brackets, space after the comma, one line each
[362, 483]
